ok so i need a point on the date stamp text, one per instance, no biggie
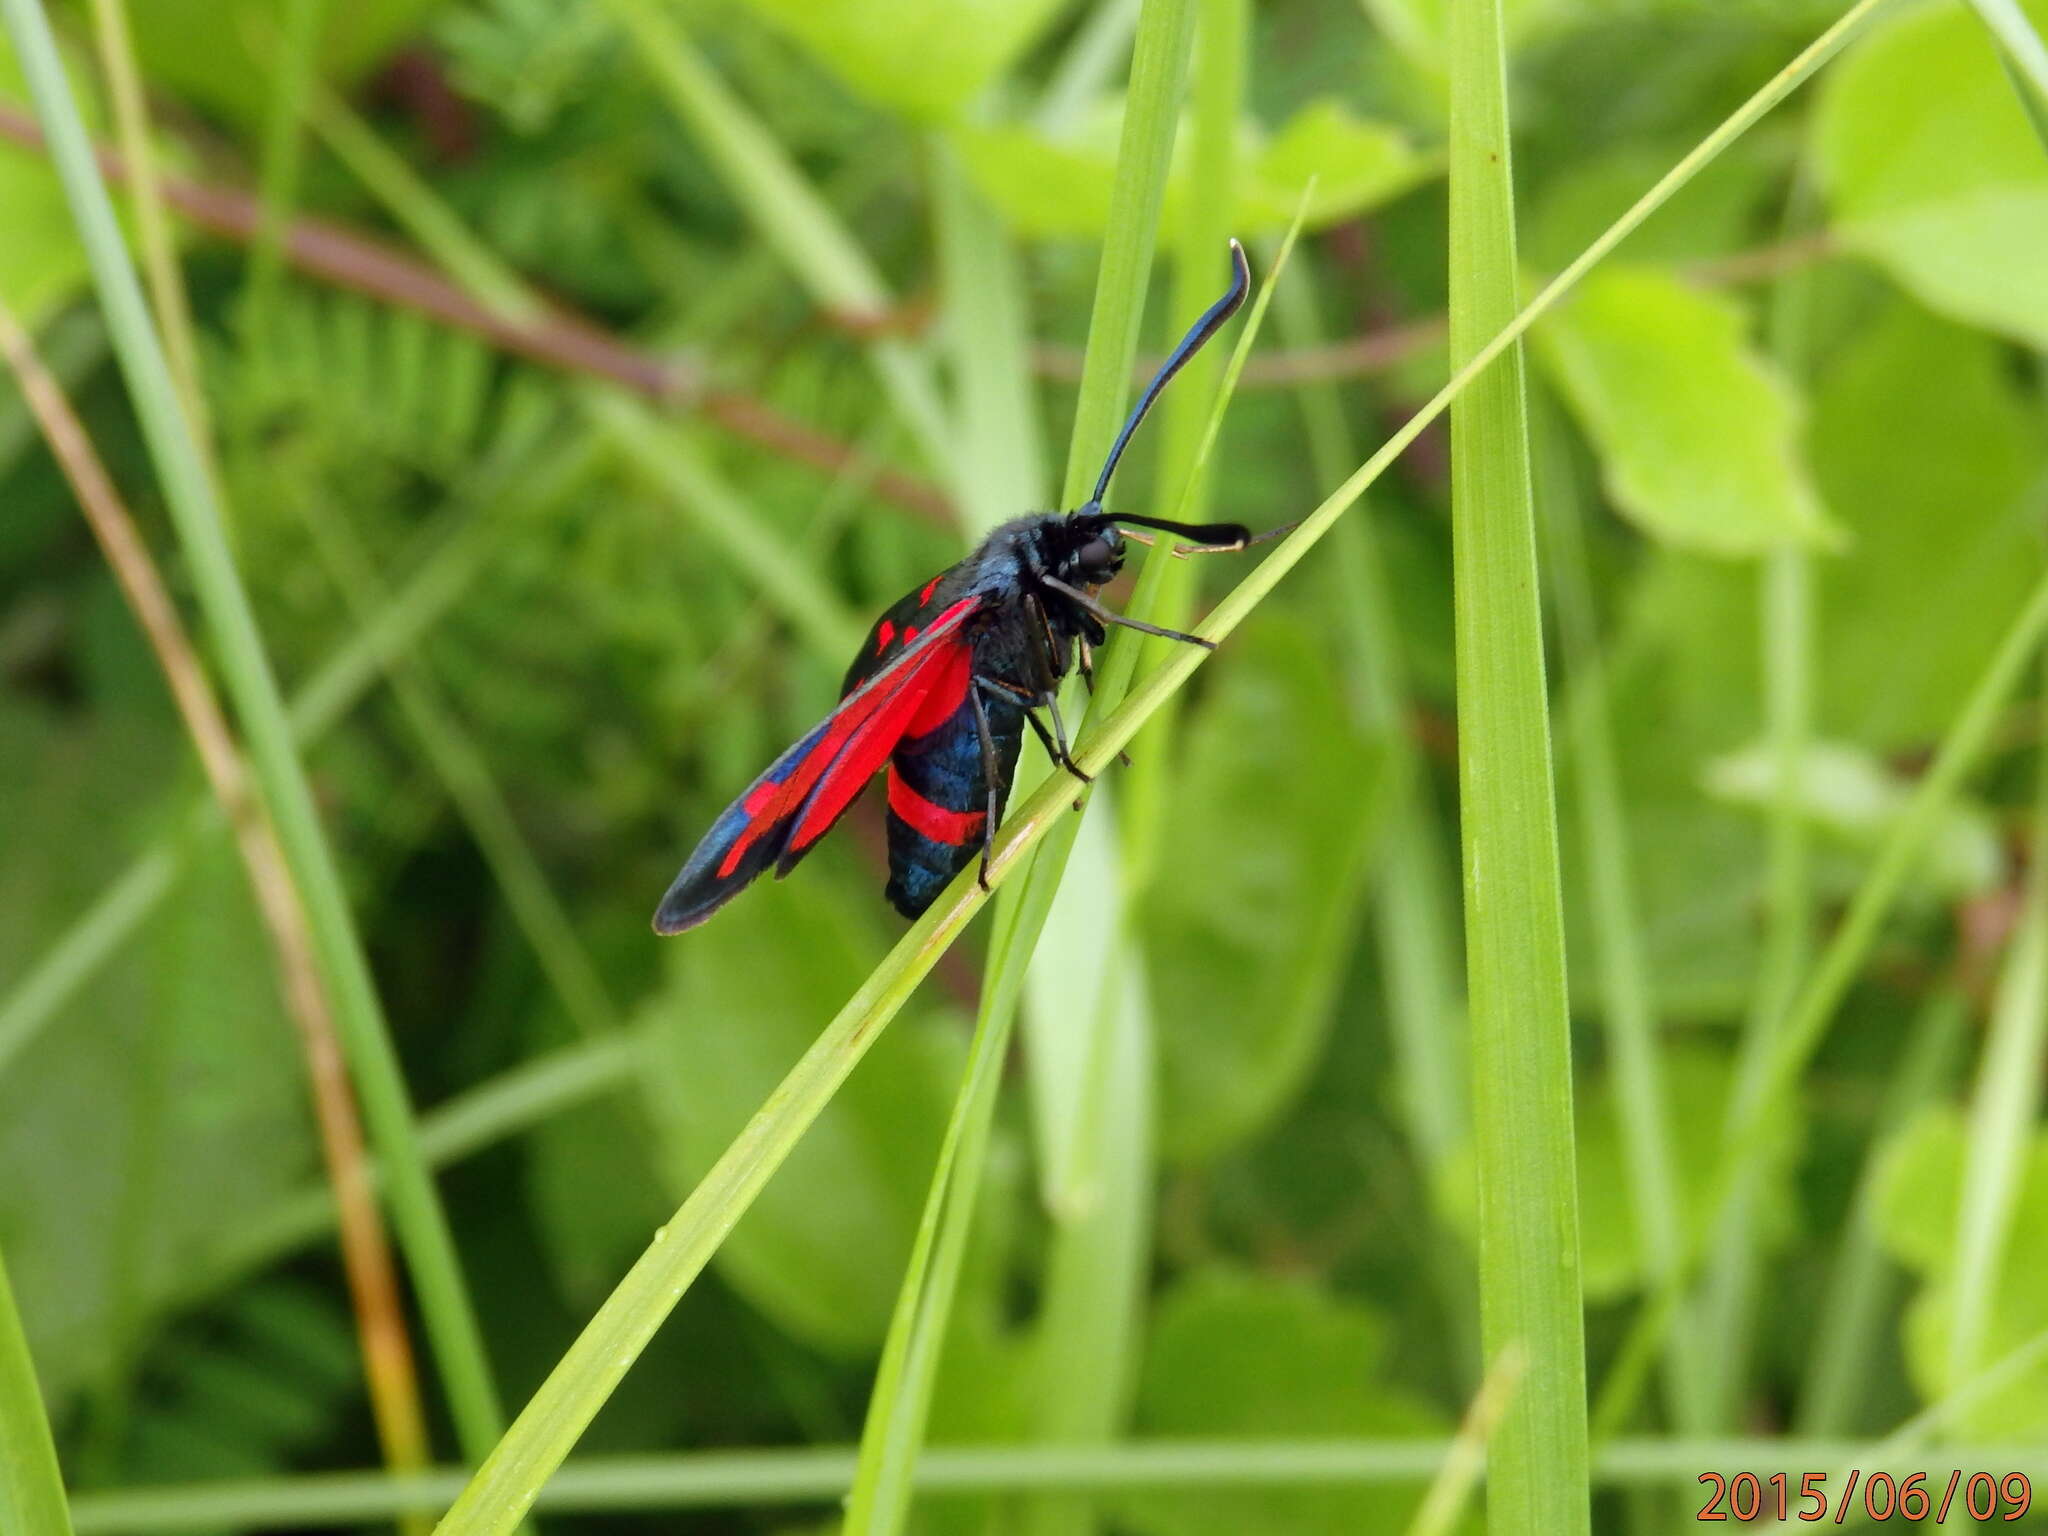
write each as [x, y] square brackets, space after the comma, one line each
[1981, 1497]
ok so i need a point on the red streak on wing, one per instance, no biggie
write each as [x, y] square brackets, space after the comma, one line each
[933, 821]
[947, 693]
[884, 633]
[924, 598]
[909, 633]
[862, 731]
[865, 751]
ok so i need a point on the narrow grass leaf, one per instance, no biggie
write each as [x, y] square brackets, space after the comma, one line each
[1444, 1505]
[2023, 47]
[817, 1476]
[1530, 1302]
[31, 1486]
[293, 62]
[1728, 1300]
[1096, 1120]
[2003, 1110]
[1863, 1282]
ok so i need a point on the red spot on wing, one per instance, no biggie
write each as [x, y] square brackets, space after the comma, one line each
[884, 633]
[924, 598]
[952, 828]
[909, 633]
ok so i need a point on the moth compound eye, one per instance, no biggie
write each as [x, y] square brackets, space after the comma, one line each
[1096, 555]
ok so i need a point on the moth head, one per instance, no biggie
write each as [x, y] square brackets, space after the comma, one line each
[1094, 550]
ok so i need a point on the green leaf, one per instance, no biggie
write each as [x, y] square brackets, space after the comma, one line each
[1851, 794]
[824, 1245]
[1356, 164]
[1240, 1355]
[1932, 170]
[174, 1091]
[1920, 1192]
[1058, 184]
[1611, 1251]
[1246, 966]
[924, 58]
[1697, 433]
[1928, 450]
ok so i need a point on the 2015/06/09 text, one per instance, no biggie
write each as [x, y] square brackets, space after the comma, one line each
[1879, 1496]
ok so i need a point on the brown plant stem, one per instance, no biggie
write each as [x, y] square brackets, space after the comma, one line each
[555, 338]
[388, 1365]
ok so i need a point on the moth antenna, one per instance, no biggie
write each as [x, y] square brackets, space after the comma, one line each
[1208, 325]
[1208, 538]
[1234, 546]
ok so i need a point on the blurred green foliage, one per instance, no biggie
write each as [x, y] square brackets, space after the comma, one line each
[621, 679]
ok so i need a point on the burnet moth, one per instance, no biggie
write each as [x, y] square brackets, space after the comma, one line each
[943, 688]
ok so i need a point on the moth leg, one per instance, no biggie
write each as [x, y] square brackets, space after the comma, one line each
[1089, 605]
[1051, 656]
[1063, 757]
[1055, 746]
[989, 773]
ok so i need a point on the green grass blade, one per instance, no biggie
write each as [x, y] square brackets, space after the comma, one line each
[424, 215]
[1530, 1302]
[1728, 1301]
[1085, 70]
[1864, 1284]
[294, 62]
[96, 937]
[2024, 49]
[1165, 590]
[512, 1476]
[1641, 1098]
[985, 303]
[31, 1486]
[1443, 1507]
[466, 774]
[816, 1476]
[1091, 1045]
[2003, 1111]
[515, 1100]
[152, 225]
[196, 514]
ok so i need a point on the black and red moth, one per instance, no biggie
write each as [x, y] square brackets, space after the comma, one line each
[943, 688]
